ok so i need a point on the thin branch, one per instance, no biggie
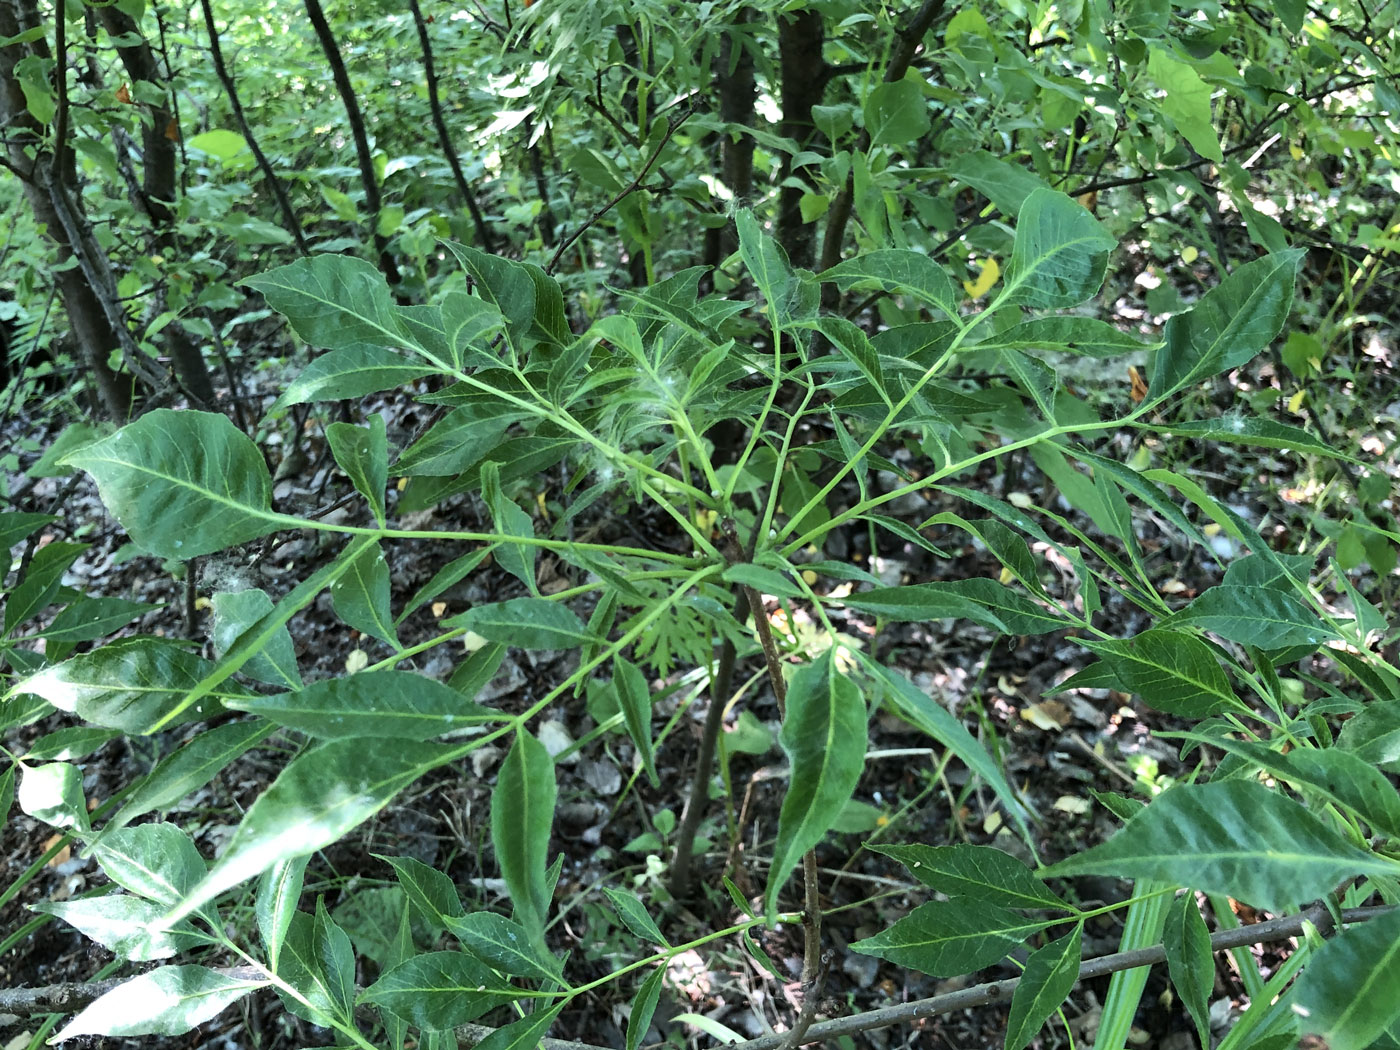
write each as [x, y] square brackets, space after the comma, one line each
[672, 125]
[1000, 991]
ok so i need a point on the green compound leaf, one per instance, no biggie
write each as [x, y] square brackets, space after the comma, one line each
[1265, 617]
[1234, 837]
[1050, 975]
[1231, 323]
[1060, 254]
[361, 596]
[977, 872]
[397, 704]
[522, 813]
[363, 453]
[824, 737]
[131, 685]
[1172, 671]
[167, 1001]
[526, 623]
[320, 796]
[1190, 960]
[634, 916]
[1350, 992]
[182, 483]
[947, 938]
[898, 270]
[503, 945]
[440, 990]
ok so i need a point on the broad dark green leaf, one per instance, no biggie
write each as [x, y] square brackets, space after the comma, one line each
[925, 713]
[156, 861]
[634, 916]
[440, 990]
[274, 904]
[321, 795]
[335, 302]
[1005, 185]
[17, 525]
[1086, 336]
[234, 612]
[898, 270]
[1374, 736]
[1342, 776]
[41, 582]
[88, 619]
[976, 872]
[303, 965]
[167, 1001]
[503, 945]
[526, 623]
[503, 283]
[182, 483]
[458, 440]
[522, 813]
[469, 325]
[823, 736]
[767, 263]
[1050, 975]
[522, 1034]
[429, 890]
[1172, 671]
[189, 767]
[518, 559]
[896, 113]
[634, 698]
[949, 938]
[644, 1007]
[1060, 254]
[1190, 960]
[1234, 837]
[128, 685]
[361, 596]
[337, 958]
[351, 373]
[129, 927]
[1264, 617]
[69, 744]
[363, 453]
[1232, 322]
[391, 704]
[1349, 994]
[1256, 431]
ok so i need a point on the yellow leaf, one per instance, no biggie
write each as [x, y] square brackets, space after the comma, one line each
[1189, 254]
[985, 280]
[809, 577]
[1295, 152]
[1295, 403]
[1007, 575]
[358, 660]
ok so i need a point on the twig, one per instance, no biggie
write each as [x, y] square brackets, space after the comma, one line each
[1000, 991]
[671, 127]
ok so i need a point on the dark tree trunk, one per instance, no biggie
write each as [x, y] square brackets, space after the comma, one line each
[800, 39]
[373, 201]
[483, 232]
[156, 195]
[93, 332]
